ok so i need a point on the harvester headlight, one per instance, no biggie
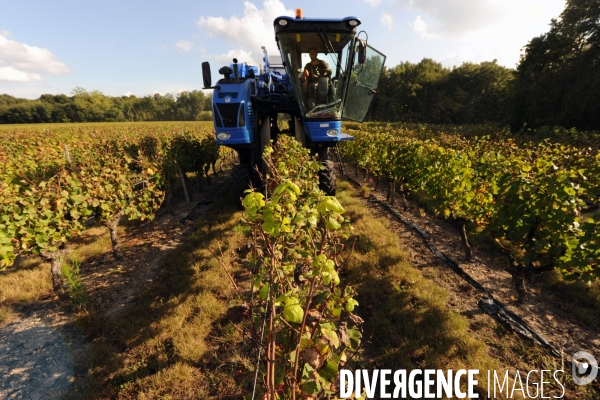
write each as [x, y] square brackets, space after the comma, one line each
[282, 22]
[353, 22]
[332, 132]
[227, 99]
[223, 135]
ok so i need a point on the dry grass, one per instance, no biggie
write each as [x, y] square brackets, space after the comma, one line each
[365, 190]
[5, 315]
[30, 279]
[408, 318]
[26, 282]
[176, 342]
[91, 243]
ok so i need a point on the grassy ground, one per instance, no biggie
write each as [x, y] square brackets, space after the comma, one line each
[176, 342]
[30, 279]
[410, 323]
[25, 283]
[408, 320]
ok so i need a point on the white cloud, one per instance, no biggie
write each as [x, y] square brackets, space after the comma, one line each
[241, 55]
[468, 30]
[387, 20]
[460, 18]
[245, 35]
[32, 90]
[422, 29]
[372, 3]
[22, 63]
[456, 17]
[503, 41]
[184, 45]
[14, 75]
[5, 33]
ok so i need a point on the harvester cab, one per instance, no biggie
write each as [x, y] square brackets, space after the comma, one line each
[326, 73]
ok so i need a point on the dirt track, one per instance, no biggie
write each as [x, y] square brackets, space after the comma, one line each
[38, 356]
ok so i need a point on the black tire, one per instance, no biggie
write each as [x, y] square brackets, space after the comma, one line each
[241, 177]
[327, 181]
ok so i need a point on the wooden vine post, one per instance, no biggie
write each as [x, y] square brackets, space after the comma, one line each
[185, 190]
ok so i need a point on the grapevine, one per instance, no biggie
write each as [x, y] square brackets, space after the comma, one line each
[530, 196]
[54, 181]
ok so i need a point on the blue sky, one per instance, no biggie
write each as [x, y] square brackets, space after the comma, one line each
[145, 47]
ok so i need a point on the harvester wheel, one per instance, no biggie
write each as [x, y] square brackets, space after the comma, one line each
[327, 178]
[241, 177]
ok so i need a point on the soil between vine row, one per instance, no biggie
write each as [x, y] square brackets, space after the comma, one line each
[553, 322]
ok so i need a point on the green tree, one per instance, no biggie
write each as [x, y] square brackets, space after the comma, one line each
[558, 78]
[406, 91]
[189, 105]
[429, 92]
[479, 93]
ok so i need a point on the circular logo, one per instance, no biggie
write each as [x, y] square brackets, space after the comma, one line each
[583, 363]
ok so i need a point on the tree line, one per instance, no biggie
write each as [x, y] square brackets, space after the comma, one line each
[558, 79]
[94, 106]
[431, 93]
[556, 83]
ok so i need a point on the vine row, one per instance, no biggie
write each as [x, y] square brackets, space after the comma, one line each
[54, 182]
[536, 200]
[300, 304]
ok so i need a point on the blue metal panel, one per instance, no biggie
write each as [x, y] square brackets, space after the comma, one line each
[237, 91]
[317, 130]
[228, 100]
[238, 136]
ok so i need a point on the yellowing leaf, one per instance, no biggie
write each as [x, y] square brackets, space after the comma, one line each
[332, 204]
[330, 336]
[350, 304]
[333, 224]
[292, 311]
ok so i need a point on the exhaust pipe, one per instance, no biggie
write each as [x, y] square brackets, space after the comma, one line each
[236, 74]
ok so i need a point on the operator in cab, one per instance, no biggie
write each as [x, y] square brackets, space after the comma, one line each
[315, 79]
[316, 68]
